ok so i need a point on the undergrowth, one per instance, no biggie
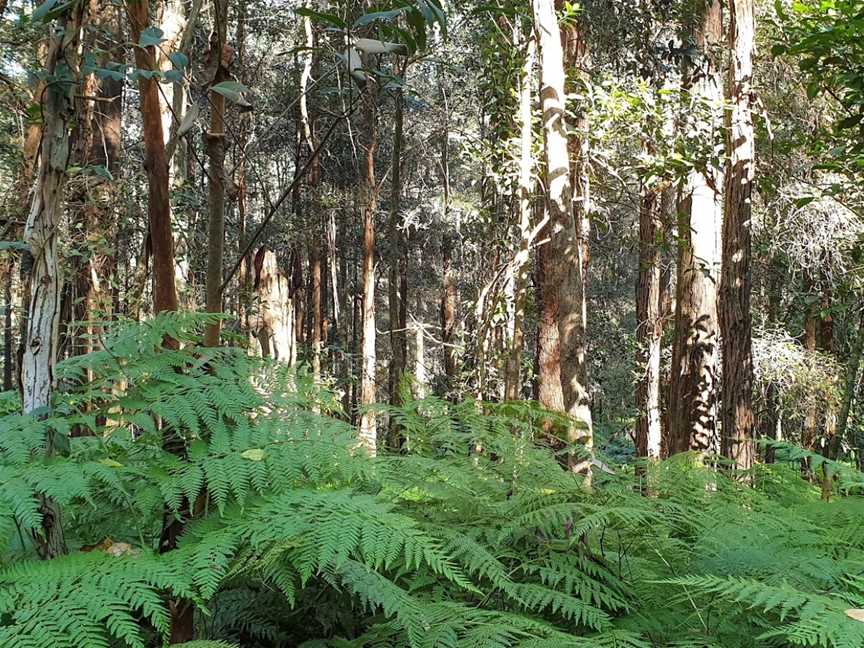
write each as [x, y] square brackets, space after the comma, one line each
[470, 536]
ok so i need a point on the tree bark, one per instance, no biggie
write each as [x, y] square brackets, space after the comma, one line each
[513, 377]
[397, 278]
[735, 283]
[448, 288]
[649, 324]
[369, 204]
[40, 234]
[693, 397]
[8, 329]
[849, 392]
[563, 260]
[220, 62]
[156, 165]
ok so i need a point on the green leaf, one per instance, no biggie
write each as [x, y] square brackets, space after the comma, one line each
[806, 200]
[330, 19]
[849, 122]
[386, 16]
[150, 37]
[179, 60]
[197, 450]
[41, 12]
[232, 91]
[14, 245]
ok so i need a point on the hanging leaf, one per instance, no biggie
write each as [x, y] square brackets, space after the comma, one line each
[150, 37]
[849, 122]
[14, 245]
[189, 120]
[330, 19]
[179, 60]
[232, 91]
[375, 16]
[41, 12]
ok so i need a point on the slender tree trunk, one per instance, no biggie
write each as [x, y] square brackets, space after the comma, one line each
[735, 283]
[649, 325]
[156, 165]
[811, 418]
[513, 377]
[41, 339]
[693, 398]
[448, 289]
[8, 329]
[397, 278]
[98, 143]
[317, 314]
[220, 63]
[245, 292]
[308, 145]
[853, 366]
[369, 203]
[298, 292]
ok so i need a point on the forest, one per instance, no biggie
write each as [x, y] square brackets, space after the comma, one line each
[431, 323]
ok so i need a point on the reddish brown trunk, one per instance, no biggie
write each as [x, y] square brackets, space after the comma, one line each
[317, 301]
[156, 166]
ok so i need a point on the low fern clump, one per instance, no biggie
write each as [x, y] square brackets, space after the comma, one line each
[471, 535]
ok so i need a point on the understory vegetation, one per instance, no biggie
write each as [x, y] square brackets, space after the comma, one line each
[469, 535]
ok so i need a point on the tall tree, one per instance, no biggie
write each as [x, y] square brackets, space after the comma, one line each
[513, 377]
[693, 397]
[735, 282]
[155, 163]
[562, 269]
[40, 234]
[649, 321]
[398, 273]
[369, 205]
[219, 64]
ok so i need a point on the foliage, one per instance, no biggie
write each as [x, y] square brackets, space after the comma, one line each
[471, 536]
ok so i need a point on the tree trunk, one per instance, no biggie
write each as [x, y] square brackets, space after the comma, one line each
[563, 260]
[849, 391]
[513, 377]
[40, 234]
[574, 350]
[98, 143]
[693, 397]
[275, 326]
[8, 329]
[219, 65]
[735, 283]
[448, 288]
[156, 165]
[649, 324]
[397, 278]
[369, 203]
[317, 314]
